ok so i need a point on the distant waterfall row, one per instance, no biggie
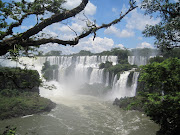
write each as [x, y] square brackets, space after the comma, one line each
[138, 60]
[85, 69]
[80, 69]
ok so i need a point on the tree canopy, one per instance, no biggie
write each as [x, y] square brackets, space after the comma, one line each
[53, 53]
[166, 32]
[19, 11]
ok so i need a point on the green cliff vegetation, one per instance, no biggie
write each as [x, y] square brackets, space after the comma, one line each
[50, 71]
[159, 95]
[16, 78]
[53, 53]
[19, 93]
[116, 69]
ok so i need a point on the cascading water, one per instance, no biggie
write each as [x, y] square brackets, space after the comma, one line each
[78, 70]
[107, 78]
[138, 60]
[84, 69]
[96, 76]
[120, 87]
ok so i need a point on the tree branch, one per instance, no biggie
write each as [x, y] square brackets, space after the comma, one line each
[16, 24]
[54, 19]
[24, 40]
[76, 40]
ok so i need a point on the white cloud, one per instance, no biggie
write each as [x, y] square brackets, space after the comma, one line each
[90, 9]
[118, 33]
[70, 4]
[114, 10]
[138, 21]
[145, 45]
[120, 45]
[76, 27]
[98, 45]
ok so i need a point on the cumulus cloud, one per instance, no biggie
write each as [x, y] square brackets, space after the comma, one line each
[145, 45]
[118, 33]
[74, 26]
[98, 45]
[90, 9]
[120, 46]
[139, 21]
[70, 4]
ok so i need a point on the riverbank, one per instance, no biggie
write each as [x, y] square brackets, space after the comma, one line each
[24, 104]
[19, 93]
[130, 103]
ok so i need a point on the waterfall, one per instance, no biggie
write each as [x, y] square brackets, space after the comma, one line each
[134, 84]
[131, 60]
[96, 76]
[120, 88]
[138, 60]
[78, 70]
[107, 78]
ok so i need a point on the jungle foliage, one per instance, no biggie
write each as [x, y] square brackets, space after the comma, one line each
[53, 53]
[116, 69]
[166, 32]
[19, 93]
[21, 79]
[50, 72]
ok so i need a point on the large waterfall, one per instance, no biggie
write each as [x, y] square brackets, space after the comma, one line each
[79, 70]
[85, 69]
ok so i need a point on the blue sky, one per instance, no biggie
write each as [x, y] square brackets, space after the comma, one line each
[127, 33]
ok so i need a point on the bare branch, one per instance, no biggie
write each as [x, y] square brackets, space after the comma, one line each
[70, 28]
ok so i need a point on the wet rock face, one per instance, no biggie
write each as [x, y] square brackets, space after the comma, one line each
[116, 102]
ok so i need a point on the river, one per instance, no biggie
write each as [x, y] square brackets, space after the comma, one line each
[77, 114]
